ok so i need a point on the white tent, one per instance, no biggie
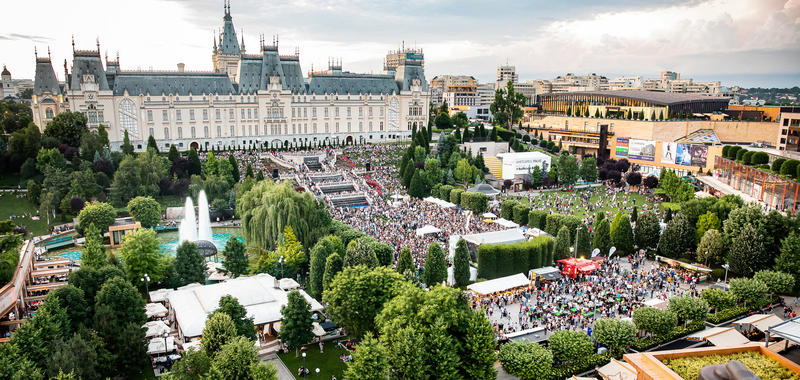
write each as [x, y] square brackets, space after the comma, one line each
[512, 235]
[156, 345]
[193, 345]
[318, 330]
[721, 336]
[499, 284]
[439, 202]
[155, 328]
[397, 196]
[506, 223]
[427, 229]
[159, 295]
[155, 310]
[655, 302]
[489, 215]
[617, 370]
[760, 321]
[288, 284]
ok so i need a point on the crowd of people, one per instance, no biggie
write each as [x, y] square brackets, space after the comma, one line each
[613, 291]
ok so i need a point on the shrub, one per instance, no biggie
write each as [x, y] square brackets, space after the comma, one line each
[444, 192]
[789, 167]
[655, 340]
[718, 299]
[759, 158]
[526, 360]
[455, 196]
[749, 290]
[464, 202]
[740, 154]
[498, 260]
[688, 308]
[733, 152]
[478, 202]
[655, 321]
[569, 346]
[746, 157]
[777, 282]
[507, 209]
[776, 165]
[520, 214]
[728, 314]
[537, 219]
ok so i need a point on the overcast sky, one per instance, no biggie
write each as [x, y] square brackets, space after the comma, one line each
[745, 42]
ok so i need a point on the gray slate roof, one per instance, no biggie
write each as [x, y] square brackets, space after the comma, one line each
[83, 64]
[228, 43]
[176, 83]
[349, 83]
[45, 78]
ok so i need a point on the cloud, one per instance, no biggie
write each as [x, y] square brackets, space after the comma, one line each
[25, 37]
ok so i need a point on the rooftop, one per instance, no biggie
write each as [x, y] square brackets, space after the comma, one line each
[658, 97]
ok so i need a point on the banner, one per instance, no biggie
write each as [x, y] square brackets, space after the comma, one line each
[622, 147]
[699, 155]
[668, 152]
[644, 150]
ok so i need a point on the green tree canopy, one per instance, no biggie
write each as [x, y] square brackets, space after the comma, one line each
[142, 255]
[145, 210]
[711, 248]
[99, 214]
[370, 361]
[296, 329]
[234, 258]
[189, 264]
[67, 128]
[219, 331]
[570, 346]
[614, 333]
[461, 264]
[648, 230]
[244, 326]
[654, 320]
[526, 360]
[360, 252]
[602, 237]
[435, 265]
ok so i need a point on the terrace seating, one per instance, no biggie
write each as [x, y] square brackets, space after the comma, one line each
[337, 188]
[353, 201]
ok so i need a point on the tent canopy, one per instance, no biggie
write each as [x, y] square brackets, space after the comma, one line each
[484, 188]
[788, 329]
[155, 310]
[427, 229]
[513, 235]
[160, 295]
[439, 202]
[156, 345]
[489, 215]
[617, 370]
[506, 223]
[155, 328]
[721, 336]
[499, 284]
[318, 330]
[760, 321]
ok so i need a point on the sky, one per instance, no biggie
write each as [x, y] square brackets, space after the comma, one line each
[739, 42]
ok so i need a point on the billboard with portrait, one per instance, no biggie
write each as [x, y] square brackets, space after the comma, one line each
[644, 150]
[622, 147]
[668, 152]
[699, 155]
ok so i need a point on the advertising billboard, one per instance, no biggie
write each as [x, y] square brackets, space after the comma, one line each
[622, 147]
[684, 154]
[644, 150]
[668, 152]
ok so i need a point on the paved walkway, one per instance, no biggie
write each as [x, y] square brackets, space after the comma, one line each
[283, 372]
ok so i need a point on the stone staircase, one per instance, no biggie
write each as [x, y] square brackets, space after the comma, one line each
[494, 165]
[269, 348]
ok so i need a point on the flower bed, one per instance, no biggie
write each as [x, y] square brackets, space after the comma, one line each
[679, 331]
[762, 366]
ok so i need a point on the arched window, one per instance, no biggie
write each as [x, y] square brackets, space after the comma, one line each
[127, 117]
[48, 113]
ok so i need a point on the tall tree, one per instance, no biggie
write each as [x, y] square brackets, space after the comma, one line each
[567, 170]
[588, 169]
[94, 252]
[244, 325]
[127, 147]
[67, 128]
[677, 237]
[435, 265]
[189, 264]
[707, 221]
[602, 237]
[234, 168]
[234, 258]
[333, 265]
[369, 361]
[151, 143]
[99, 214]
[622, 235]
[142, 255]
[73, 301]
[357, 295]
[648, 230]
[461, 264]
[405, 262]
[119, 315]
[789, 259]
[195, 168]
[562, 243]
[711, 248]
[145, 210]
[747, 252]
[219, 331]
[359, 252]
[238, 359]
[296, 328]
[507, 106]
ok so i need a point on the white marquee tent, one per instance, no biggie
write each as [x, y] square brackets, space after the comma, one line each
[427, 229]
[499, 284]
[155, 328]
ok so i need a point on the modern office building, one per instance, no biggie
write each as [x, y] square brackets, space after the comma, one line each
[642, 104]
[257, 99]
[456, 90]
[572, 83]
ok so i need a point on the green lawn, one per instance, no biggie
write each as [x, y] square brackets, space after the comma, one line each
[579, 209]
[11, 205]
[328, 363]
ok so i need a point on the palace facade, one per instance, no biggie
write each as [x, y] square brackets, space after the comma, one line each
[248, 99]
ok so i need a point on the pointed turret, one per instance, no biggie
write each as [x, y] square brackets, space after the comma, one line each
[228, 42]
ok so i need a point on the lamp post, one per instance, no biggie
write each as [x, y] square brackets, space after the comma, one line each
[281, 260]
[726, 266]
[165, 335]
[317, 371]
[305, 371]
[146, 280]
[576, 241]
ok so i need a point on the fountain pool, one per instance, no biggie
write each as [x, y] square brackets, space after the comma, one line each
[218, 238]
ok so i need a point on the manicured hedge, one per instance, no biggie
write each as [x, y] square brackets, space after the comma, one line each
[582, 365]
[498, 260]
[537, 219]
[464, 202]
[727, 314]
[521, 214]
[507, 209]
[553, 223]
[679, 331]
[455, 196]
[444, 192]
[478, 203]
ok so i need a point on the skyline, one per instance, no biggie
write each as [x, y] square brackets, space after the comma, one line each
[748, 43]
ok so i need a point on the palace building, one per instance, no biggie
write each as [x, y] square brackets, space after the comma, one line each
[247, 100]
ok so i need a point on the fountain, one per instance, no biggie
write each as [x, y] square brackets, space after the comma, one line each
[199, 233]
[204, 220]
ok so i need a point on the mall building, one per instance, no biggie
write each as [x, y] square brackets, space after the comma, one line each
[259, 99]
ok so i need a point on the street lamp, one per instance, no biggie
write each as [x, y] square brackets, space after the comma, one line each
[305, 371]
[317, 371]
[726, 266]
[165, 335]
[576, 240]
[146, 280]
[281, 260]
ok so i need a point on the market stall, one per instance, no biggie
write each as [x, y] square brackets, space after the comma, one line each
[577, 265]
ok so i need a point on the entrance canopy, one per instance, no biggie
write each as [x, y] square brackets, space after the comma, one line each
[788, 329]
[499, 284]
[427, 229]
[760, 321]
[721, 336]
